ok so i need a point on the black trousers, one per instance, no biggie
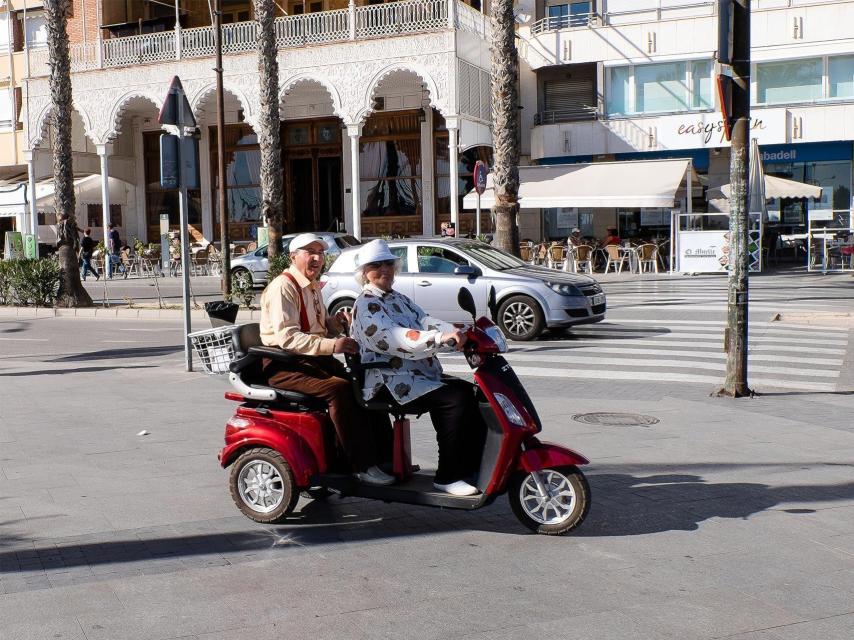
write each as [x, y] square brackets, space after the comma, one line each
[460, 429]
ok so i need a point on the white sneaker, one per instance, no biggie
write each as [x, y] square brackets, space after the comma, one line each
[375, 476]
[458, 488]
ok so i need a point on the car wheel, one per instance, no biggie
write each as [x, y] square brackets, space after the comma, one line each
[262, 485]
[520, 318]
[344, 304]
[242, 275]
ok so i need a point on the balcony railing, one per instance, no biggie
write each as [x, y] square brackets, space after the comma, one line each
[355, 23]
[552, 23]
[566, 115]
[634, 11]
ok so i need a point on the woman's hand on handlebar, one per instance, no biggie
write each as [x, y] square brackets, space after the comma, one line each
[456, 338]
[345, 345]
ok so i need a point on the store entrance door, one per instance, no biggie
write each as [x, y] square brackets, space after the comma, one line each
[314, 197]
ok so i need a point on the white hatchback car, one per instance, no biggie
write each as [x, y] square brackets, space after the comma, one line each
[528, 298]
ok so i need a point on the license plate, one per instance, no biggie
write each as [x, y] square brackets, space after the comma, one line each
[596, 300]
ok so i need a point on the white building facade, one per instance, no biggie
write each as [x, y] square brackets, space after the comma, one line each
[635, 79]
[383, 108]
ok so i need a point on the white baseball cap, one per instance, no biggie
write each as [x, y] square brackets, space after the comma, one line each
[304, 239]
[374, 251]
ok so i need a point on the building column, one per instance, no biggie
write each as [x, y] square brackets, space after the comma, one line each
[428, 175]
[103, 155]
[355, 133]
[32, 218]
[139, 186]
[454, 169]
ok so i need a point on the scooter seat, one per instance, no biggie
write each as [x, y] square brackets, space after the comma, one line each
[296, 397]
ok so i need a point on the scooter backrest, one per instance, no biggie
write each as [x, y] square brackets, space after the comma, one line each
[244, 336]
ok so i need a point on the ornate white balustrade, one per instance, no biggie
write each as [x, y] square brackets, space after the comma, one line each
[355, 23]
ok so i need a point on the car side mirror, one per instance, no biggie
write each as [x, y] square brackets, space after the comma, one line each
[466, 270]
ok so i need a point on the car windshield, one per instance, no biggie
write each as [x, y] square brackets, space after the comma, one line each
[491, 256]
[346, 241]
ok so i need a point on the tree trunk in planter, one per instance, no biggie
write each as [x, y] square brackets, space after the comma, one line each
[72, 293]
[505, 126]
[269, 125]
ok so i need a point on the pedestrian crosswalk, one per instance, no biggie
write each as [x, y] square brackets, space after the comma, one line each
[792, 357]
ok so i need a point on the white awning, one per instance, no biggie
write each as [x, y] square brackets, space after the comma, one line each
[634, 184]
[782, 188]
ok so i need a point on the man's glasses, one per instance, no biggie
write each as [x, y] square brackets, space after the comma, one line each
[381, 263]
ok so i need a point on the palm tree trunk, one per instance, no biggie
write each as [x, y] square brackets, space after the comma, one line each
[505, 126]
[269, 125]
[72, 293]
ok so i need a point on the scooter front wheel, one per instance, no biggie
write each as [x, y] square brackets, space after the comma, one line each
[262, 485]
[552, 501]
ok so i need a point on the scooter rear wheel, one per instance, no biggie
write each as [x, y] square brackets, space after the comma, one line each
[262, 485]
[559, 510]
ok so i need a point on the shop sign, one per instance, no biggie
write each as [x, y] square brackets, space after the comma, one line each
[14, 249]
[703, 251]
[709, 129]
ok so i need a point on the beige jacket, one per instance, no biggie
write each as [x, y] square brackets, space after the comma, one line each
[280, 325]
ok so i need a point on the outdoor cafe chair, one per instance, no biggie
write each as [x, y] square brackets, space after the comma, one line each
[556, 255]
[526, 252]
[130, 264]
[200, 262]
[647, 255]
[615, 257]
[239, 250]
[582, 258]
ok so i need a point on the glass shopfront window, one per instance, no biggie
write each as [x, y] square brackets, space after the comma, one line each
[660, 88]
[465, 170]
[561, 221]
[242, 174]
[833, 177]
[789, 81]
[390, 165]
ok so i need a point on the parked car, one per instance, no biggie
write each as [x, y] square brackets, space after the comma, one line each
[255, 265]
[529, 298]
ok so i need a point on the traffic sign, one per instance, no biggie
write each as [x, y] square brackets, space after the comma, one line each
[480, 173]
[176, 108]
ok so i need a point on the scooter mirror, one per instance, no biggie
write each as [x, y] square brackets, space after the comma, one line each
[466, 302]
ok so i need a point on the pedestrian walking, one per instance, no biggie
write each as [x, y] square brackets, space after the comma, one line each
[87, 248]
[113, 249]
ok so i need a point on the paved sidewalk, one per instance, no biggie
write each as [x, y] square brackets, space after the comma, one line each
[723, 519]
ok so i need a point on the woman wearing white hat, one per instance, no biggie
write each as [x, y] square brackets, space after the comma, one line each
[390, 328]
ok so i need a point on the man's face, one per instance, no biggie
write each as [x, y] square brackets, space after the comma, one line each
[309, 260]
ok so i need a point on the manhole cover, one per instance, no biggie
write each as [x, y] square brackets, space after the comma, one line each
[616, 419]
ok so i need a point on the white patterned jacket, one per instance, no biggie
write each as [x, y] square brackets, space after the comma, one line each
[390, 327]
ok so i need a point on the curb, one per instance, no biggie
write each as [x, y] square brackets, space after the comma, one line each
[121, 313]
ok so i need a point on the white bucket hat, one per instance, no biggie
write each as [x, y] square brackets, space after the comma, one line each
[304, 239]
[374, 251]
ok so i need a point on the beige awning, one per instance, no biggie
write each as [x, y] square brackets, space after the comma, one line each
[782, 188]
[634, 184]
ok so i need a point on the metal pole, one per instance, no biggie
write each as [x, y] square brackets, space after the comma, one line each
[735, 384]
[220, 156]
[477, 223]
[185, 243]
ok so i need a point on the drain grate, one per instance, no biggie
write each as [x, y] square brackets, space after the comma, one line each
[616, 419]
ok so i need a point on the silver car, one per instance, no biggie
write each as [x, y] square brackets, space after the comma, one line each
[254, 264]
[529, 299]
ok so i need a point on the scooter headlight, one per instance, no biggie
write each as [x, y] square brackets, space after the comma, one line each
[497, 337]
[510, 410]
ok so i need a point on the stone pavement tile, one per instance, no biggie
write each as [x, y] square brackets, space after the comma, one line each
[835, 628]
[311, 626]
[179, 619]
[57, 629]
[812, 596]
[58, 602]
[608, 625]
[712, 613]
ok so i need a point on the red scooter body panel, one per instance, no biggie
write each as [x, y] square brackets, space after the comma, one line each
[514, 435]
[298, 437]
[540, 455]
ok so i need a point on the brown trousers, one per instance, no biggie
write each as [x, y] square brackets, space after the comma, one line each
[324, 377]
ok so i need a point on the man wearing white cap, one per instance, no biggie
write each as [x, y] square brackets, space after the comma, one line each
[293, 317]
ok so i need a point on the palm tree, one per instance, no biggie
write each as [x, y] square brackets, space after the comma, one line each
[268, 125]
[505, 125]
[72, 293]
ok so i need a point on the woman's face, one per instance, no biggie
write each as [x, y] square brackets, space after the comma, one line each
[380, 274]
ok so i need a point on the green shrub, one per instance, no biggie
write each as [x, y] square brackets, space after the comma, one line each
[34, 282]
[5, 282]
[278, 264]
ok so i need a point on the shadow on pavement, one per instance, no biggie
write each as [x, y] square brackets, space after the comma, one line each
[129, 352]
[623, 505]
[56, 372]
